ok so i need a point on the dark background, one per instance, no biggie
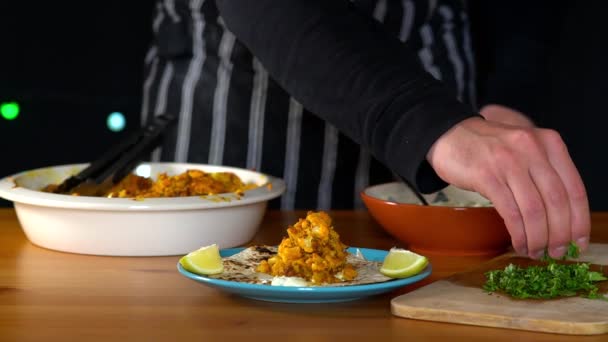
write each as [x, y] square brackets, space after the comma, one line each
[573, 89]
[69, 67]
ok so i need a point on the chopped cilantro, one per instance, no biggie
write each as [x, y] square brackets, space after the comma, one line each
[548, 281]
[571, 253]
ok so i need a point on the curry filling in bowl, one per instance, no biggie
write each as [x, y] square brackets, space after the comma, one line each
[189, 183]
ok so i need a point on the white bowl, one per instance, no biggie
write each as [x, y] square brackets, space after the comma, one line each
[128, 227]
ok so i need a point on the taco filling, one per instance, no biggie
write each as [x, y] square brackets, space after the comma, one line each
[312, 251]
[311, 255]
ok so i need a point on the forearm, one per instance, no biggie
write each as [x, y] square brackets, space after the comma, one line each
[342, 66]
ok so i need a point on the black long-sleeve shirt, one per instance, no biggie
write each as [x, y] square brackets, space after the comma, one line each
[345, 68]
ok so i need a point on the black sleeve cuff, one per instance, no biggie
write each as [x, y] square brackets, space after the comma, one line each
[409, 137]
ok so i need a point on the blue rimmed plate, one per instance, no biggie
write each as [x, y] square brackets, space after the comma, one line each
[292, 294]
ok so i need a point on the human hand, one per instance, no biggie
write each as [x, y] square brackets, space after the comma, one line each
[528, 175]
[505, 115]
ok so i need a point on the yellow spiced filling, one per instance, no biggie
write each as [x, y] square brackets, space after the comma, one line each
[189, 183]
[313, 251]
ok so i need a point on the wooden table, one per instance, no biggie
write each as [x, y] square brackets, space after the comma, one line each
[48, 295]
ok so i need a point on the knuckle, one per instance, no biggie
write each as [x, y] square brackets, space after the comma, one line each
[524, 137]
[519, 243]
[487, 177]
[578, 193]
[503, 156]
[512, 214]
[552, 137]
[536, 245]
[559, 241]
[518, 238]
[556, 197]
[534, 211]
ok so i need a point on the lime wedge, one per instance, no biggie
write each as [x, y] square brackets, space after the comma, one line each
[204, 261]
[401, 263]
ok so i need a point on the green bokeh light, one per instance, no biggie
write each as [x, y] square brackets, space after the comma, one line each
[116, 122]
[9, 110]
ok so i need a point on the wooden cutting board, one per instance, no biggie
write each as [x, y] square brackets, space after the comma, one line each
[460, 299]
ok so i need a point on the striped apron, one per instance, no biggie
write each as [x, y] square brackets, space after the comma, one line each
[232, 113]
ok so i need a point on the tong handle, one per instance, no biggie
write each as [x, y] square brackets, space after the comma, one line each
[120, 160]
[148, 140]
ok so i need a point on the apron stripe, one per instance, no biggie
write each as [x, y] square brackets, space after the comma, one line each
[151, 66]
[220, 98]
[158, 19]
[432, 5]
[425, 54]
[380, 10]
[361, 176]
[292, 154]
[146, 90]
[161, 99]
[163, 89]
[151, 55]
[190, 81]
[408, 20]
[362, 171]
[170, 7]
[256, 118]
[468, 52]
[452, 48]
[328, 167]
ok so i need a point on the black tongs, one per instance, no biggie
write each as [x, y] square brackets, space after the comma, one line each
[117, 162]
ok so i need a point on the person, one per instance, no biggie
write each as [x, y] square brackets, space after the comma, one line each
[388, 79]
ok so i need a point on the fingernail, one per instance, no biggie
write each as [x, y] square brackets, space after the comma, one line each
[524, 251]
[558, 252]
[538, 255]
[582, 242]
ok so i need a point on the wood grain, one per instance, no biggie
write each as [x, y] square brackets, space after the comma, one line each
[460, 299]
[53, 296]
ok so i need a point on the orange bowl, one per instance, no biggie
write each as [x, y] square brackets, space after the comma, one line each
[456, 222]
